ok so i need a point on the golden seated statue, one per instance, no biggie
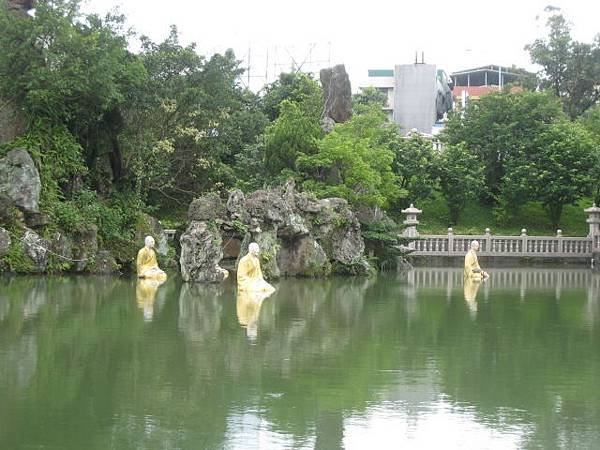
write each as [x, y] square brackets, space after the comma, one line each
[249, 273]
[147, 266]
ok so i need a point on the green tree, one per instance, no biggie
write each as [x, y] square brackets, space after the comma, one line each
[367, 97]
[189, 121]
[352, 163]
[414, 164]
[591, 122]
[570, 69]
[292, 135]
[460, 177]
[296, 87]
[500, 127]
[66, 69]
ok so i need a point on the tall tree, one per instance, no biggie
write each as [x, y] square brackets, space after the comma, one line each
[570, 69]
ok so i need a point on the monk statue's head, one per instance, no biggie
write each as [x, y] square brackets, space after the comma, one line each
[253, 249]
[475, 245]
[149, 241]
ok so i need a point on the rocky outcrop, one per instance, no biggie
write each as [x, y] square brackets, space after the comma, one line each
[337, 93]
[21, 6]
[11, 123]
[36, 248]
[298, 234]
[20, 180]
[4, 242]
[201, 252]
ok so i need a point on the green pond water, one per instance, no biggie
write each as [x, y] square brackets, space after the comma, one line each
[413, 360]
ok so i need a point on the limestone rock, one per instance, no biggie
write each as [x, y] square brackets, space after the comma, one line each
[85, 248]
[4, 242]
[37, 249]
[208, 207]
[152, 226]
[11, 122]
[201, 253]
[21, 6]
[303, 257]
[337, 93]
[104, 264]
[20, 180]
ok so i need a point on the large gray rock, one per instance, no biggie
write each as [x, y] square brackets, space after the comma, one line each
[21, 6]
[4, 242]
[303, 257]
[337, 93]
[338, 229]
[104, 264]
[11, 122]
[85, 248]
[152, 226]
[201, 253]
[208, 207]
[20, 180]
[37, 249]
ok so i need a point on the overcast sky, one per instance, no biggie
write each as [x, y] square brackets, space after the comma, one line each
[374, 34]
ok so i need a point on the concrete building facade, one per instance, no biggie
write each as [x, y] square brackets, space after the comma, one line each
[411, 95]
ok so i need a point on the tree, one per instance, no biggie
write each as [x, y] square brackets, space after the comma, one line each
[352, 163]
[367, 97]
[460, 177]
[189, 121]
[498, 127]
[296, 87]
[570, 69]
[562, 167]
[70, 71]
[294, 134]
[414, 161]
[591, 122]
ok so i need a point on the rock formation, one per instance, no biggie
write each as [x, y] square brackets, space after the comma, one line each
[20, 180]
[298, 234]
[337, 94]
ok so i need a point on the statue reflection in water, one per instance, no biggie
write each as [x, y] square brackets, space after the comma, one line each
[252, 289]
[471, 288]
[145, 294]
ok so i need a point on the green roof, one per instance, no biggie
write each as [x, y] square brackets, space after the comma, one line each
[381, 72]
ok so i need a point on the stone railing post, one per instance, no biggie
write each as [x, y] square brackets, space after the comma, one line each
[450, 240]
[411, 221]
[593, 220]
[488, 240]
[524, 240]
[559, 237]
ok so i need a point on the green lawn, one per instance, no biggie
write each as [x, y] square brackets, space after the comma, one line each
[476, 218]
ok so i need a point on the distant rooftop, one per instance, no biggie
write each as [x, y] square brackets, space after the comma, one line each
[491, 75]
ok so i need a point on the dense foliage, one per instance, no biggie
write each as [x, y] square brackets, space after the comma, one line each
[115, 133]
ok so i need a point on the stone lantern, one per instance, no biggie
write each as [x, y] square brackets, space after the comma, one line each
[593, 220]
[411, 221]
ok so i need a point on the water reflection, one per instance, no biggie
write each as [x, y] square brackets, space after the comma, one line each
[145, 294]
[248, 305]
[471, 286]
[406, 358]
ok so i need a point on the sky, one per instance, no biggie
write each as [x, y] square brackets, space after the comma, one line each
[272, 35]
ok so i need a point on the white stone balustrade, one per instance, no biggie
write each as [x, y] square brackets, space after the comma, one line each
[524, 245]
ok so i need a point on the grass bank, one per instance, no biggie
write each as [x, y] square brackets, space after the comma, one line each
[476, 218]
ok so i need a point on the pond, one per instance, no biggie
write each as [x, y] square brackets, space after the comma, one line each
[412, 360]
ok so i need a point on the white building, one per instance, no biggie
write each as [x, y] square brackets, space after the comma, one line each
[411, 91]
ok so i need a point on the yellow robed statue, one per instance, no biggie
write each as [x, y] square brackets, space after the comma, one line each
[147, 266]
[472, 269]
[249, 273]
